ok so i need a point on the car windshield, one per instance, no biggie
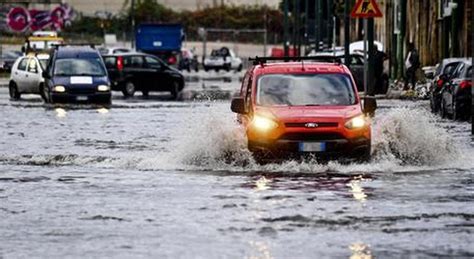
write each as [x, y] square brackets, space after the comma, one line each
[79, 67]
[305, 90]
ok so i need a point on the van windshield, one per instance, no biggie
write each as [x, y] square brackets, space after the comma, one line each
[79, 67]
[305, 90]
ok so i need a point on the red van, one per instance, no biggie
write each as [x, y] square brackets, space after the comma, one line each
[291, 109]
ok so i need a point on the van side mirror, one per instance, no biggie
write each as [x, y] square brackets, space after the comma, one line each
[370, 105]
[45, 74]
[238, 105]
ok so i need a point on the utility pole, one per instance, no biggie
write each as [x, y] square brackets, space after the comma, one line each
[285, 28]
[330, 21]
[371, 56]
[306, 25]
[347, 24]
[294, 28]
[298, 28]
[318, 15]
[132, 22]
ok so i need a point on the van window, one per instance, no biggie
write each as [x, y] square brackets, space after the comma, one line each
[153, 62]
[305, 90]
[79, 67]
[133, 61]
[109, 62]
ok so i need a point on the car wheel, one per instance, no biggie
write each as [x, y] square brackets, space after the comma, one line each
[13, 90]
[442, 109]
[455, 115]
[217, 70]
[239, 68]
[145, 93]
[432, 104]
[206, 68]
[129, 89]
[174, 90]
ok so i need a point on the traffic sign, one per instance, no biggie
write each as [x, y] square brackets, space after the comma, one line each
[366, 9]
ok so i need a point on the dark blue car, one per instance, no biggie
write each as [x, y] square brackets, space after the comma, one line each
[76, 74]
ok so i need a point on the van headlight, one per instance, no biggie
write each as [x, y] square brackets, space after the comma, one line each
[103, 88]
[356, 122]
[263, 124]
[59, 89]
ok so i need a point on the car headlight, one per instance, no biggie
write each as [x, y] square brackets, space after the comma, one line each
[356, 122]
[103, 88]
[263, 124]
[59, 89]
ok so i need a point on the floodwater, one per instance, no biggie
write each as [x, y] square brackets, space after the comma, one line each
[163, 179]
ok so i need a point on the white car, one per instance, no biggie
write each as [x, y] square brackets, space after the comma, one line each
[223, 58]
[26, 75]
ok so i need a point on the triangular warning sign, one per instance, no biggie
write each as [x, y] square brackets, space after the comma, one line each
[366, 9]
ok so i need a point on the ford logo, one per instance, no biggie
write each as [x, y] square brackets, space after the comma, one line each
[311, 125]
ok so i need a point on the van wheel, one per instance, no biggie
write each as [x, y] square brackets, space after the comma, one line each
[13, 90]
[174, 90]
[129, 89]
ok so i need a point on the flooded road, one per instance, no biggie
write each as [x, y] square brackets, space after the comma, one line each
[164, 179]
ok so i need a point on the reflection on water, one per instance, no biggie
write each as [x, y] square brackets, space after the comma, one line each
[262, 184]
[263, 250]
[60, 112]
[356, 190]
[103, 110]
[360, 251]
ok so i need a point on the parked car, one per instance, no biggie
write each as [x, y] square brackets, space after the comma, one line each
[456, 95]
[188, 61]
[113, 50]
[26, 75]
[131, 72]
[8, 58]
[223, 58]
[292, 110]
[76, 74]
[356, 67]
[442, 75]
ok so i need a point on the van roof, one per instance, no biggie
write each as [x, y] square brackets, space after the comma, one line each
[77, 52]
[300, 67]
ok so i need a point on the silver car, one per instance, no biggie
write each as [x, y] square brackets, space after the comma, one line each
[26, 75]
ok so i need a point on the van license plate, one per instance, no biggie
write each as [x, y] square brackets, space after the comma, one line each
[81, 98]
[312, 146]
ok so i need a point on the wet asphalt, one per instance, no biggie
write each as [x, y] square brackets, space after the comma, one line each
[155, 178]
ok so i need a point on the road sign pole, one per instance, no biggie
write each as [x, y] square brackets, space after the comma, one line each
[347, 24]
[366, 65]
[371, 48]
[285, 28]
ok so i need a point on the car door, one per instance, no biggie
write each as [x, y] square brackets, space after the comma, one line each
[19, 75]
[158, 74]
[133, 66]
[33, 76]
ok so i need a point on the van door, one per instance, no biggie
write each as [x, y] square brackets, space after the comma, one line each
[157, 73]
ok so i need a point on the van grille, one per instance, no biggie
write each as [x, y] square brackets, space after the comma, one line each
[310, 136]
